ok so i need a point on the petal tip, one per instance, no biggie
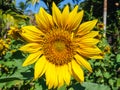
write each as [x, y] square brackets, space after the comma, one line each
[40, 9]
[76, 6]
[96, 20]
[21, 49]
[53, 4]
[82, 11]
[24, 64]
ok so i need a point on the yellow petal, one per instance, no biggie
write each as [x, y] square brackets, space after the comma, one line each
[90, 52]
[97, 57]
[83, 62]
[55, 77]
[67, 75]
[40, 23]
[44, 20]
[32, 29]
[48, 18]
[70, 68]
[75, 21]
[51, 76]
[39, 67]
[31, 34]
[65, 15]
[32, 58]
[73, 13]
[48, 74]
[88, 42]
[71, 17]
[45, 68]
[31, 38]
[31, 47]
[60, 74]
[92, 34]
[86, 27]
[56, 13]
[77, 71]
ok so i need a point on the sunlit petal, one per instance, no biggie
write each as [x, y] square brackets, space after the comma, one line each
[39, 67]
[31, 34]
[86, 27]
[83, 62]
[31, 47]
[56, 15]
[32, 58]
[44, 20]
[77, 71]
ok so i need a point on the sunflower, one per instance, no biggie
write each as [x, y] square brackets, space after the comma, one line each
[3, 47]
[100, 25]
[107, 49]
[14, 32]
[60, 46]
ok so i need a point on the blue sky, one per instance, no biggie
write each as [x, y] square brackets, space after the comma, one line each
[41, 4]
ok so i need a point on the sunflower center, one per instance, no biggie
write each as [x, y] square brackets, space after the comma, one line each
[58, 47]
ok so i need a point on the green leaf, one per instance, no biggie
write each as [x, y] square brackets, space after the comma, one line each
[8, 79]
[118, 82]
[62, 88]
[14, 83]
[106, 75]
[8, 55]
[97, 64]
[98, 73]
[118, 57]
[76, 86]
[38, 86]
[1, 85]
[111, 82]
[93, 86]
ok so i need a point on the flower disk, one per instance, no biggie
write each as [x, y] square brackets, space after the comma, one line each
[59, 45]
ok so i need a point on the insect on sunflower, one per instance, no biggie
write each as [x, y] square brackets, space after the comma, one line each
[59, 45]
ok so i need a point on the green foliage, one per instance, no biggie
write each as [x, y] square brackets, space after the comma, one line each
[106, 71]
[11, 16]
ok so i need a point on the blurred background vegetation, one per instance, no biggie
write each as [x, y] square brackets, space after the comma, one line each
[106, 73]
